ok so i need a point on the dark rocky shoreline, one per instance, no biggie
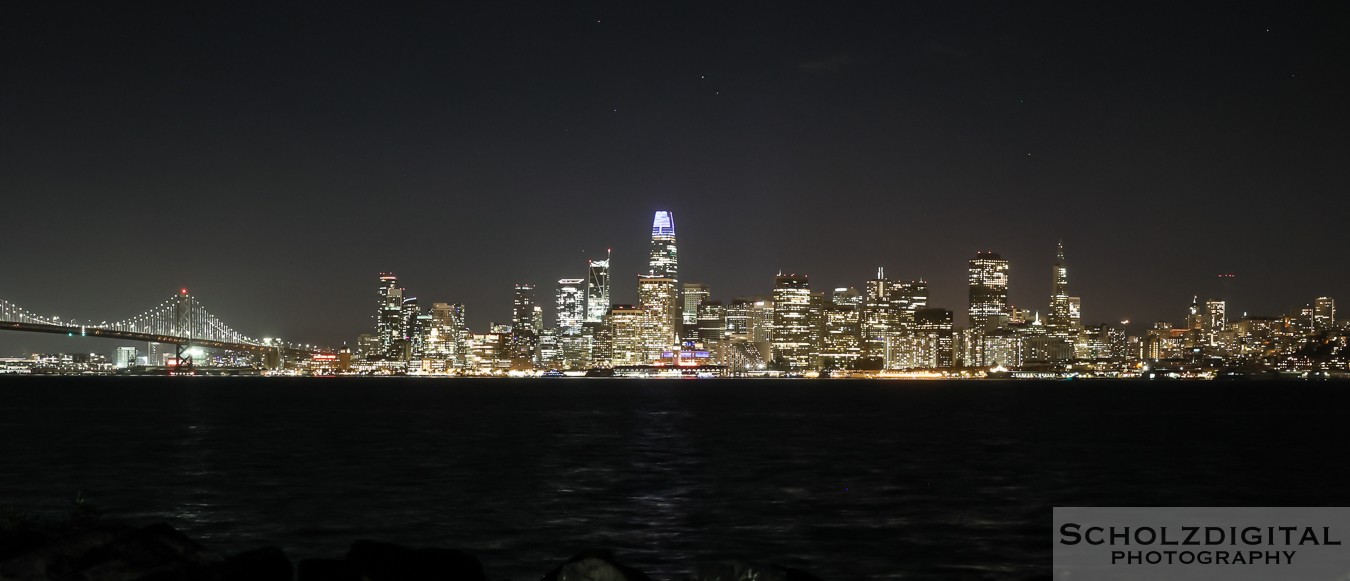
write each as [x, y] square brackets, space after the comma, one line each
[158, 552]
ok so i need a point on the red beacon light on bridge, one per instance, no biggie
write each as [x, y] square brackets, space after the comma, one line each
[184, 291]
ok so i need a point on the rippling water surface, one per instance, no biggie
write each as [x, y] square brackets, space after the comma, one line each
[847, 479]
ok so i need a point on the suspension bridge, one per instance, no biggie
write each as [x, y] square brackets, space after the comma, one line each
[181, 320]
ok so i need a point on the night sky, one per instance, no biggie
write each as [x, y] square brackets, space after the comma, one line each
[275, 159]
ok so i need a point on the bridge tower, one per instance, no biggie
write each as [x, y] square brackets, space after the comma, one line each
[183, 325]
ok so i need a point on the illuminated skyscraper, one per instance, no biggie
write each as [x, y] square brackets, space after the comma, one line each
[988, 292]
[597, 290]
[390, 323]
[522, 307]
[1215, 320]
[627, 323]
[410, 344]
[524, 320]
[841, 333]
[1059, 322]
[656, 294]
[664, 257]
[876, 319]
[907, 298]
[571, 304]
[791, 326]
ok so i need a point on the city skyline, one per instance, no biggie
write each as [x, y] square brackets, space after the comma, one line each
[661, 251]
[891, 326]
[270, 159]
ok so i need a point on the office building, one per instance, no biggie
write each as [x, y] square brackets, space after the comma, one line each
[628, 324]
[571, 304]
[791, 325]
[988, 282]
[390, 322]
[693, 294]
[656, 294]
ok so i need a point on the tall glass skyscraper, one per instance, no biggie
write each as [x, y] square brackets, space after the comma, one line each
[664, 257]
[571, 305]
[876, 319]
[597, 290]
[390, 323]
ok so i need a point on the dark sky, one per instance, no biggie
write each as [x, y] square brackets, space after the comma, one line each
[275, 159]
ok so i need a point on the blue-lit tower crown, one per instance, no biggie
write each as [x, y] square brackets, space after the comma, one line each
[664, 258]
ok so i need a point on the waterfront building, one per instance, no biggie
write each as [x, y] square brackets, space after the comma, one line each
[791, 325]
[1001, 348]
[124, 357]
[597, 289]
[490, 352]
[1047, 350]
[571, 304]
